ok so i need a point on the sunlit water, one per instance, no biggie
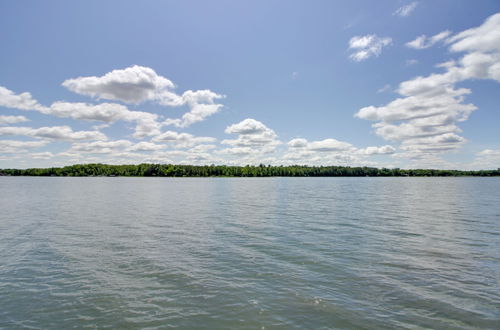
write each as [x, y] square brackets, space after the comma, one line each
[249, 253]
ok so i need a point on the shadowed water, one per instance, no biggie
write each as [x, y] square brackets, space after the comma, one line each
[249, 253]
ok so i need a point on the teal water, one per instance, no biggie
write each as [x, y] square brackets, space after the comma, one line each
[250, 253]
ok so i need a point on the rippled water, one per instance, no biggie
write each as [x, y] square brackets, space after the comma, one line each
[250, 253]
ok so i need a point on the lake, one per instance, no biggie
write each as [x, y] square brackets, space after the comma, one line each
[249, 253]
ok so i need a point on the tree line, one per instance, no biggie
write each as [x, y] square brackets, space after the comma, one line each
[170, 170]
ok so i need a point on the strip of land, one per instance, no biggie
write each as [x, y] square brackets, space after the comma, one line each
[169, 170]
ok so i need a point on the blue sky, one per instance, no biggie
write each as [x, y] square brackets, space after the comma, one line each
[377, 83]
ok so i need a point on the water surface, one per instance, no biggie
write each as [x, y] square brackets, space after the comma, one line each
[250, 253]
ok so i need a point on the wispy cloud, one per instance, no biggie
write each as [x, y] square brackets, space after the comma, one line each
[138, 84]
[406, 10]
[425, 118]
[385, 88]
[423, 41]
[367, 46]
[411, 62]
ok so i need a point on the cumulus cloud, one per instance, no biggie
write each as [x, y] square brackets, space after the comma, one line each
[248, 127]
[182, 140]
[331, 151]
[121, 152]
[6, 120]
[489, 152]
[202, 105]
[415, 120]
[251, 133]
[297, 143]
[425, 118]
[254, 143]
[64, 133]
[146, 122]
[367, 46]
[202, 148]
[23, 101]
[100, 147]
[134, 84]
[42, 155]
[196, 155]
[14, 146]
[146, 146]
[406, 10]
[106, 112]
[328, 145]
[237, 151]
[486, 159]
[332, 145]
[383, 150]
[423, 41]
[443, 107]
[138, 84]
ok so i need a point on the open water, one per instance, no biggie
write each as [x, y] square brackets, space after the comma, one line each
[249, 253]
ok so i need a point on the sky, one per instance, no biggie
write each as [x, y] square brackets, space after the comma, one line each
[392, 83]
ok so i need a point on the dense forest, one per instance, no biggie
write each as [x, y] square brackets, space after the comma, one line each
[168, 170]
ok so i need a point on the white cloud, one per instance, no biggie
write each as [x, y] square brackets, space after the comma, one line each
[101, 126]
[411, 62]
[134, 84]
[146, 122]
[137, 84]
[202, 105]
[328, 145]
[146, 146]
[5, 120]
[237, 151]
[248, 127]
[252, 133]
[423, 41]
[193, 156]
[434, 143]
[254, 143]
[406, 10]
[182, 140]
[297, 143]
[489, 152]
[14, 146]
[486, 159]
[383, 150]
[367, 46]
[485, 38]
[448, 102]
[105, 112]
[54, 133]
[41, 155]
[99, 147]
[305, 156]
[385, 88]
[331, 151]
[425, 119]
[23, 101]
[202, 148]
[257, 143]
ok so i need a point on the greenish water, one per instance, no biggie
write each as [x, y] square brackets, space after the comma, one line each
[250, 253]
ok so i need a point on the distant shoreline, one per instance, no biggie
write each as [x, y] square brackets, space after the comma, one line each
[170, 170]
